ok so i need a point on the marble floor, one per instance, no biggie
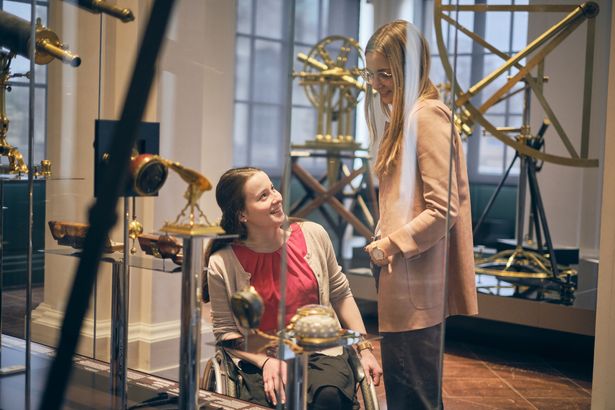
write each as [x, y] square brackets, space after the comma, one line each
[477, 375]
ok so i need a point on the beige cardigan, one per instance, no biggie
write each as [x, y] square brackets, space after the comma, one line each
[411, 294]
[226, 276]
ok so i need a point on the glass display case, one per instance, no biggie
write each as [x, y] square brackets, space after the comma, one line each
[200, 87]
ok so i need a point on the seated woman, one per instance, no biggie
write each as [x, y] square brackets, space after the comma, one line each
[252, 208]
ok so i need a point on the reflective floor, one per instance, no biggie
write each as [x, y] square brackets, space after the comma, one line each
[477, 375]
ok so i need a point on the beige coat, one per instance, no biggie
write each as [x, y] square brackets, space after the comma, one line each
[411, 294]
[226, 276]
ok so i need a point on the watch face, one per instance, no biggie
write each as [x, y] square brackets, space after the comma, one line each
[377, 254]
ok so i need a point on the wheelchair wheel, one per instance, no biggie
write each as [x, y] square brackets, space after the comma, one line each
[368, 390]
[220, 374]
[212, 377]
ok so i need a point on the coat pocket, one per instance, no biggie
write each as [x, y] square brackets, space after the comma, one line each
[425, 279]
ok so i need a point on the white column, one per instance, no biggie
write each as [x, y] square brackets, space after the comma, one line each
[603, 394]
[573, 207]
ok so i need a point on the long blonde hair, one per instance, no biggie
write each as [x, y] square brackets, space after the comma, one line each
[391, 41]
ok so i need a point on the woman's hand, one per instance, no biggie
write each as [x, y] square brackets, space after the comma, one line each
[274, 379]
[381, 251]
[370, 365]
[377, 254]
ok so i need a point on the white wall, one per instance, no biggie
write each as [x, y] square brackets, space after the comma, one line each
[196, 92]
[603, 394]
[389, 10]
[192, 98]
[572, 195]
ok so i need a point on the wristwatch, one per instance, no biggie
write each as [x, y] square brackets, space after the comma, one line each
[377, 255]
[365, 345]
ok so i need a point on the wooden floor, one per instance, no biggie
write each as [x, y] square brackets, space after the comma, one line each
[535, 371]
[483, 374]
[481, 377]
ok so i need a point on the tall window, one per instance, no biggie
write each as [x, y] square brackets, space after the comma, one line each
[487, 157]
[17, 99]
[260, 76]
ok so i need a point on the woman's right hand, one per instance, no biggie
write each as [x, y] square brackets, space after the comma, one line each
[274, 379]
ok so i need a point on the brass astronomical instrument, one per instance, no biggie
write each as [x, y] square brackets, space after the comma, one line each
[332, 86]
[248, 307]
[15, 36]
[534, 55]
[530, 265]
[16, 163]
[150, 173]
[313, 327]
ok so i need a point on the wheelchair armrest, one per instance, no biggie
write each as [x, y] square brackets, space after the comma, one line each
[368, 390]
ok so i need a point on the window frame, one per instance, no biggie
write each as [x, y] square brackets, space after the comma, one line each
[325, 10]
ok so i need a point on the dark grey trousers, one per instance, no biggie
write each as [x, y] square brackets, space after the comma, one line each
[410, 363]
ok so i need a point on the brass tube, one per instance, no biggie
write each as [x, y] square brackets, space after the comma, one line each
[521, 7]
[333, 72]
[340, 114]
[46, 47]
[328, 110]
[319, 126]
[578, 15]
[589, 10]
[325, 56]
[347, 116]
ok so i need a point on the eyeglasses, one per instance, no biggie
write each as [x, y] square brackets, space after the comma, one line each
[368, 76]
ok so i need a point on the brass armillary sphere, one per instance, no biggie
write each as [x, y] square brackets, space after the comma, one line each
[330, 77]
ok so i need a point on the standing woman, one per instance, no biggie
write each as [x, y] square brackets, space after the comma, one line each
[421, 281]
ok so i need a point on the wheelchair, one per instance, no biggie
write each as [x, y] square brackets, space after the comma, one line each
[222, 376]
